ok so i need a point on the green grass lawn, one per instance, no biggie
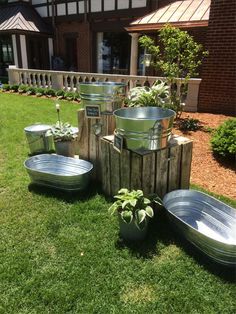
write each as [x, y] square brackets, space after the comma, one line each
[60, 253]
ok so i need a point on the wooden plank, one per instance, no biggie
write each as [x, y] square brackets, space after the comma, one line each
[148, 173]
[174, 168]
[161, 172]
[105, 166]
[125, 169]
[83, 135]
[186, 159]
[136, 172]
[115, 170]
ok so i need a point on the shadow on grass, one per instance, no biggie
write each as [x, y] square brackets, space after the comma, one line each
[226, 273]
[160, 230]
[67, 196]
[157, 231]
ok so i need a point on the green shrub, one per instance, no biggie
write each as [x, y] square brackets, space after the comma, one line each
[40, 91]
[50, 92]
[22, 89]
[60, 93]
[6, 87]
[14, 88]
[77, 96]
[70, 95]
[30, 90]
[223, 141]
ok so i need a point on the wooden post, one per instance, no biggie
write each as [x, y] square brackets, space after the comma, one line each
[91, 130]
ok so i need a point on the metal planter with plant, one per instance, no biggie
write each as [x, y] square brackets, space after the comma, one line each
[64, 136]
[134, 212]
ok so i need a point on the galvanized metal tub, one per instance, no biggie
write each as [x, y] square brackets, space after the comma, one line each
[59, 172]
[37, 139]
[144, 128]
[109, 96]
[207, 223]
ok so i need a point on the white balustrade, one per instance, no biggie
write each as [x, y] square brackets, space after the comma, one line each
[69, 81]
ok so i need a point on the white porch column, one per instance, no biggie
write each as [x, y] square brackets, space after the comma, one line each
[50, 51]
[99, 52]
[134, 53]
[23, 52]
[13, 37]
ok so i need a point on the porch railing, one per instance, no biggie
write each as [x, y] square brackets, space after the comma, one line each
[69, 81]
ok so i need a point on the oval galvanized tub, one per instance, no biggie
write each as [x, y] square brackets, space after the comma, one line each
[144, 128]
[37, 139]
[59, 172]
[109, 96]
[207, 223]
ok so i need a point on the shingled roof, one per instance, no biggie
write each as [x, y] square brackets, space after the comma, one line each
[185, 13]
[22, 17]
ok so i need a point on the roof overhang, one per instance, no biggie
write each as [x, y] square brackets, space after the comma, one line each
[181, 14]
[22, 18]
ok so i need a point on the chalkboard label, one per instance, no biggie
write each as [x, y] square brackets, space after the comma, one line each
[118, 143]
[92, 111]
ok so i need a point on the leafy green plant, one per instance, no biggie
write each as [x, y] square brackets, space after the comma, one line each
[190, 124]
[223, 141]
[62, 132]
[5, 87]
[60, 94]
[178, 57]
[50, 92]
[31, 90]
[14, 88]
[39, 91]
[69, 95]
[156, 95]
[22, 89]
[132, 206]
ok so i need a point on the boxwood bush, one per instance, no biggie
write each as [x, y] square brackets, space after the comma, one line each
[223, 141]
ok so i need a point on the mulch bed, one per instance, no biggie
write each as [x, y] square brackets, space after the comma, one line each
[217, 176]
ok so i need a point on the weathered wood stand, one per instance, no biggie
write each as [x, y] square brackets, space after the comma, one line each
[158, 171]
[91, 130]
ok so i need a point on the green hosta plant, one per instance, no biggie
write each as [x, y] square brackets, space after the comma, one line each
[62, 132]
[132, 206]
[143, 96]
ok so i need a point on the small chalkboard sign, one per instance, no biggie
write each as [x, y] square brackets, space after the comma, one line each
[92, 111]
[118, 142]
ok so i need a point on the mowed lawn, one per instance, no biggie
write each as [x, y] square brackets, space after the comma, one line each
[60, 253]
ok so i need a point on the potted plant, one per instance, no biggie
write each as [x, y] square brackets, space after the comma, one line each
[64, 136]
[134, 212]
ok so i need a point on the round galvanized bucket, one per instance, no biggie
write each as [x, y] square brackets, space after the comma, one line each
[109, 96]
[144, 128]
[37, 139]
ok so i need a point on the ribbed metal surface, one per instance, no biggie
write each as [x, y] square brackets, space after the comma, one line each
[144, 128]
[37, 139]
[59, 172]
[206, 222]
[108, 95]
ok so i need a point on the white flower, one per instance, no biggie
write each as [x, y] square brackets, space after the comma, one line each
[57, 107]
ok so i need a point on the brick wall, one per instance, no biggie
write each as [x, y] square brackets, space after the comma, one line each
[218, 87]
